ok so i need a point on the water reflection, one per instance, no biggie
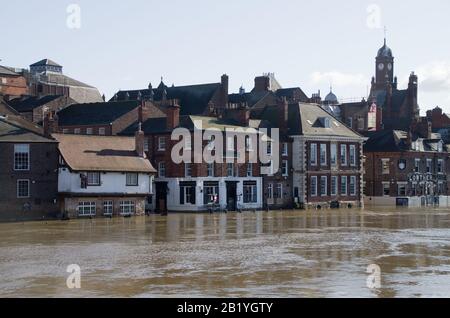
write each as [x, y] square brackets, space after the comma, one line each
[280, 254]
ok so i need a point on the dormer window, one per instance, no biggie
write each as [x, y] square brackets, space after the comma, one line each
[325, 122]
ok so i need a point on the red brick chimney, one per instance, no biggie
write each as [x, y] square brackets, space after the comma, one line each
[139, 138]
[262, 84]
[50, 124]
[173, 116]
[282, 111]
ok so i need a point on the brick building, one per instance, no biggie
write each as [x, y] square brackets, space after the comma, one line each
[34, 108]
[98, 118]
[28, 178]
[201, 99]
[406, 169]
[327, 159]
[12, 83]
[200, 186]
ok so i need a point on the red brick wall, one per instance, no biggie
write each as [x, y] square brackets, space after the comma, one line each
[13, 85]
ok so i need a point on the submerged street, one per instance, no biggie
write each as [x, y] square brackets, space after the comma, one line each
[264, 254]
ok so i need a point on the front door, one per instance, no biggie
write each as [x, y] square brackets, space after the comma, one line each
[161, 197]
[231, 196]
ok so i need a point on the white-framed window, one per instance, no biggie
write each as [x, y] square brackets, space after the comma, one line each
[210, 192]
[249, 170]
[323, 154]
[86, 208]
[344, 189]
[162, 169]
[210, 170]
[344, 160]
[324, 186]
[127, 207]
[108, 207]
[187, 195]
[188, 143]
[352, 155]
[102, 131]
[401, 188]
[429, 165]
[386, 189]
[440, 166]
[385, 166]
[230, 143]
[333, 154]
[314, 186]
[417, 165]
[279, 191]
[248, 143]
[334, 186]
[65, 131]
[353, 186]
[313, 154]
[77, 131]
[285, 150]
[187, 170]
[21, 157]
[146, 145]
[230, 169]
[161, 143]
[269, 147]
[270, 191]
[93, 178]
[132, 179]
[89, 131]
[350, 122]
[23, 189]
[250, 192]
[285, 168]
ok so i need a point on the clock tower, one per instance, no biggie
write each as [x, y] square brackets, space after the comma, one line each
[384, 67]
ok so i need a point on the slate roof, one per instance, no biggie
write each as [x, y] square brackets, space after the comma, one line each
[7, 71]
[251, 98]
[29, 103]
[46, 62]
[60, 79]
[290, 93]
[95, 113]
[193, 99]
[5, 109]
[306, 119]
[16, 129]
[102, 153]
[396, 141]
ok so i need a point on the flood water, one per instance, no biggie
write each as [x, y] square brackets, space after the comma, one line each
[266, 254]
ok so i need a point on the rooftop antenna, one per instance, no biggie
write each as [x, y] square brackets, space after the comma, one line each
[385, 34]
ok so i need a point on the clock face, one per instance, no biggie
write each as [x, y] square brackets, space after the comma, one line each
[390, 66]
[402, 164]
[381, 66]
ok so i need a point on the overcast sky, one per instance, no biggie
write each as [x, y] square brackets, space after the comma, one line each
[312, 44]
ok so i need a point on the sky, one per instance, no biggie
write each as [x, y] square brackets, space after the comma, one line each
[116, 44]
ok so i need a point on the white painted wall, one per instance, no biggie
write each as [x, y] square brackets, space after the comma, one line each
[111, 182]
[173, 196]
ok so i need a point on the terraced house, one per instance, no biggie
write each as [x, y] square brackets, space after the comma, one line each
[201, 186]
[327, 159]
[29, 177]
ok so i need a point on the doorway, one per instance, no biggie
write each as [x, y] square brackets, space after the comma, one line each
[231, 195]
[161, 197]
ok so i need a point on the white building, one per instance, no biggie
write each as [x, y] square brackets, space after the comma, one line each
[101, 175]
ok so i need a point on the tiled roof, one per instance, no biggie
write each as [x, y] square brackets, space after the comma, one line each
[95, 113]
[16, 129]
[193, 99]
[102, 153]
[29, 103]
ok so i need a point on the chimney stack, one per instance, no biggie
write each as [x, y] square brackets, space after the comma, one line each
[139, 140]
[173, 115]
[50, 124]
[282, 110]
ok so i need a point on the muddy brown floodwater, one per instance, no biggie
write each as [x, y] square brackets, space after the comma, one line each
[267, 254]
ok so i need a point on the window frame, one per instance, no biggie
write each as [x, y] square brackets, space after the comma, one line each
[136, 183]
[18, 188]
[19, 155]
